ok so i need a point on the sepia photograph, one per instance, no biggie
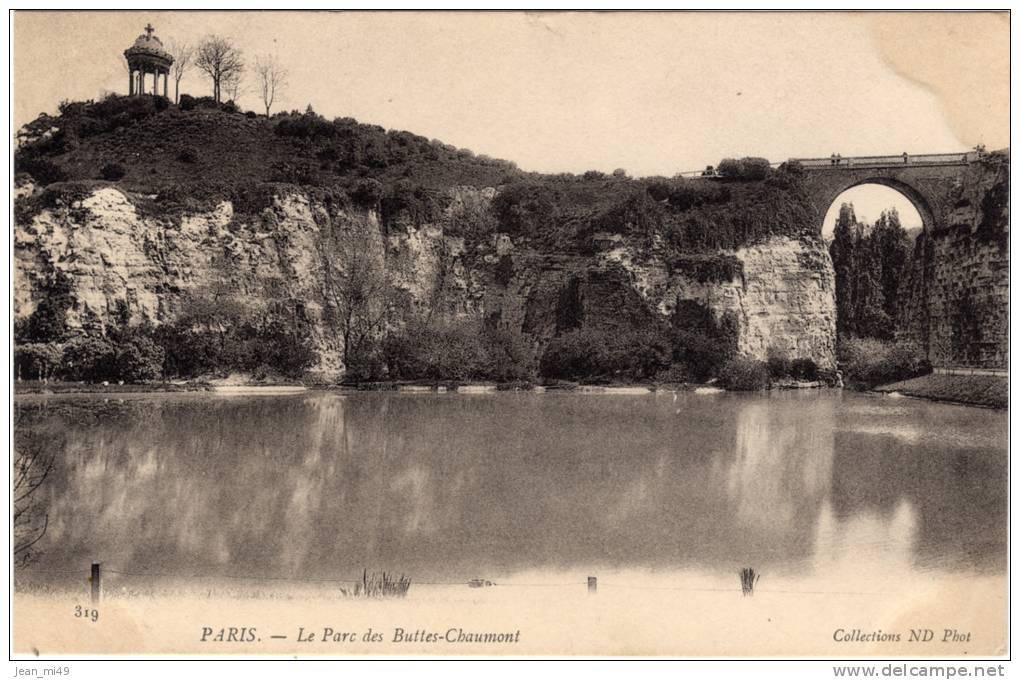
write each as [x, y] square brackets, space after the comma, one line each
[559, 334]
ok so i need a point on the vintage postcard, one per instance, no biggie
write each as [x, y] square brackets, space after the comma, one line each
[677, 334]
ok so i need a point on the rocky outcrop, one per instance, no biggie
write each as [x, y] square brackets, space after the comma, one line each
[782, 295]
[116, 252]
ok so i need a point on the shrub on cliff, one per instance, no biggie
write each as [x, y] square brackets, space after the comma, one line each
[441, 350]
[48, 321]
[510, 356]
[579, 353]
[526, 209]
[219, 334]
[112, 172]
[138, 359]
[707, 268]
[867, 362]
[744, 169]
[621, 354]
[804, 369]
[684, 194]
[91, 358]
[277, 344]
[43, 171]
[37, 360]
[640, 354]
[367, 192]
[408, 200]
[744, 374]
[307, 126]
[701, 342]
[778, 365]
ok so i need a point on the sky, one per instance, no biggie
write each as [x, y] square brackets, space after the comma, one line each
[869, 200]
[653, 93]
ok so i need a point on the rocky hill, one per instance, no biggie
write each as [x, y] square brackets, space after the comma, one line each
[202, 228]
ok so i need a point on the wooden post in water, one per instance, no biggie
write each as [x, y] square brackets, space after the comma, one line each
[97, 583]
[593, 585]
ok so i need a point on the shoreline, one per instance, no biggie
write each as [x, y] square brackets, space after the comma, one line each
[982, 391]
[34, 388]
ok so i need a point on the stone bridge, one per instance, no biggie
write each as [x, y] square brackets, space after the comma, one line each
[929, 181]
[954, 296]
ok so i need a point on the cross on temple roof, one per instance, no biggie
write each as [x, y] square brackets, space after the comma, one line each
[149, 29]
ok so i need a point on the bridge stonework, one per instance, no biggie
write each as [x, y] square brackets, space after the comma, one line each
[954, 295]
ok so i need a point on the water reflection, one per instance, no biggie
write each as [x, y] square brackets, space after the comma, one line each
[454, 486]
[783, 463]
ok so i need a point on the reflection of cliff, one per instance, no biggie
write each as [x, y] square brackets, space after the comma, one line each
[780, 471]
[783, 461]
[954, 484]
[452, 485]
[431, 485]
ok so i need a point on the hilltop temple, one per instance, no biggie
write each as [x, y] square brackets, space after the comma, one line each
[147, 56]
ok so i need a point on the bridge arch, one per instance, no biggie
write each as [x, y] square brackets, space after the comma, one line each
[915, 197]
[927, 181]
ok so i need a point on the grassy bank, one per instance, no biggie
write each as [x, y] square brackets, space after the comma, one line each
[977, 390]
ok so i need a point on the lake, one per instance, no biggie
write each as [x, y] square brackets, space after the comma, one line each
[450, 487]
[856, 507]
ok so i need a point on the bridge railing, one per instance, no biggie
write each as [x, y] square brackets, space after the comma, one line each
[903, 159]
[961, 158]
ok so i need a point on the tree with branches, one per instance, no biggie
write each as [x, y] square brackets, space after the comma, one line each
[33, 463]
[183, 54]
[219, 59]
[272, 79]
[356, 289]
[233, 86]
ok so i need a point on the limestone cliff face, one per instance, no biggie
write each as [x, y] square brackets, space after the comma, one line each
[783, 298]
[114, 251]
[954, 297]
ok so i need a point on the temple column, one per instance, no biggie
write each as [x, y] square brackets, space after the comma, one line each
[131, 81]
[166, 84]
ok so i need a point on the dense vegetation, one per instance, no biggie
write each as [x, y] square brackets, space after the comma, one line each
[869, 263]
[213, 335]
[200, 151]
[190, 155]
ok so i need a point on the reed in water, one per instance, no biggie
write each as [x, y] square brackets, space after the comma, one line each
[378, 586]
[748, 578]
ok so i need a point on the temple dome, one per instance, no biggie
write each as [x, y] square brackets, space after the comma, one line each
[149, 45]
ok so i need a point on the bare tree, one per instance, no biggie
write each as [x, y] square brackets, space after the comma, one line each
[356, 287]
[219, 60]
[233, 86]
[183, 54]
[272, 79]
[32, 465]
